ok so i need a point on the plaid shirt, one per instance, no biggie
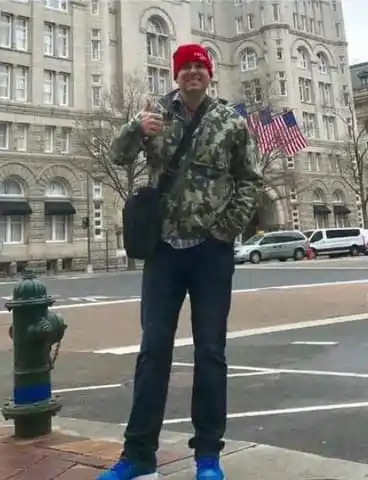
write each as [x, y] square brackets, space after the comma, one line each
[174, 241]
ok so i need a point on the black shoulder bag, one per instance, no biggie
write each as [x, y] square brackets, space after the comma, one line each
[142, 216]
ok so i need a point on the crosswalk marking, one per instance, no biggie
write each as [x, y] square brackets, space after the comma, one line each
[59, 298]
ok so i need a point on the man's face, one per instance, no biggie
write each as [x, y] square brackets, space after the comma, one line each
[193, 77]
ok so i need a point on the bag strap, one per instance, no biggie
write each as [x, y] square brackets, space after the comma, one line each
[167, 176]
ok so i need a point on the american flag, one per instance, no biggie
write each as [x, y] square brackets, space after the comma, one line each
[274, 132]
[265, 131]
[289, 138]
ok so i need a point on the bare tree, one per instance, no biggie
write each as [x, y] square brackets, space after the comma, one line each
[96, 131]
[353, 162]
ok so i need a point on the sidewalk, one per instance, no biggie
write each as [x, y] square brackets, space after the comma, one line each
[79, 449]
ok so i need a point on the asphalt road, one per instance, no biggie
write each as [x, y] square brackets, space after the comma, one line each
[85, 289]
[293, 404]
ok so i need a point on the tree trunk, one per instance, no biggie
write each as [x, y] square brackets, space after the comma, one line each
[365, 214]
[131, 264]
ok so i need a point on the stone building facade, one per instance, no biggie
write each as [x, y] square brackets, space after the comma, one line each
[58, 56]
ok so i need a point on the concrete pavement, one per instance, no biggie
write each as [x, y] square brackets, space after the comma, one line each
[78, 450]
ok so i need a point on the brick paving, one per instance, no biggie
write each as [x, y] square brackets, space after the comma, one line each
[64, 457]
[96, 327]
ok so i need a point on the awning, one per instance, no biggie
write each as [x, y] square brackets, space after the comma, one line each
[59, 208]
[321, 209]
[341, 209]
[14, 207]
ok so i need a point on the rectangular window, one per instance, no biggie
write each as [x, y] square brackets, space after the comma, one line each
[11, 229]
[295, 21]
[97, 190]
[96, 44]
[20, 137]
[4, 81]
[65, 140]
[305, 90]
[201, 21]
[56, 4]
[21, 84]
[21, 33]
[239, 24]
[63, 89]
[338, 30]
[211, 23]
[329, 127]
[56, 228]
[49, 139]
[96, 90]
[5, 30]
[280, 53]
[309, 124]
[48, 39]
[49, 87]
[282, 84]
[97, 220]
[276, 11]
[158, 80]
[95, 7]
[4, 136]
[250, 21]
[63, 42]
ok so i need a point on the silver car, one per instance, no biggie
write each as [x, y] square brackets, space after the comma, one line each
[272, 246]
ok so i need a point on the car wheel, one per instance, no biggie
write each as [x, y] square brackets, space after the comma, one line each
[255, 257]
[299, 254]
[354, 252]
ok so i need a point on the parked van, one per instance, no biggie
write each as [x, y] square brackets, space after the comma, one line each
[337, 241]
[281, 245]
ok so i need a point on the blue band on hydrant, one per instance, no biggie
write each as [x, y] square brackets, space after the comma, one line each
[32, 393]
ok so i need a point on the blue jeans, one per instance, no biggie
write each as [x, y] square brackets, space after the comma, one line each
[205, 272]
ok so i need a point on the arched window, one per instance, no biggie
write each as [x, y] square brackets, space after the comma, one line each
[13, 212]
[157, 39]
[338, 197]
[58, 212]
[320, 209]
[303, 58]
[319, 196]
[340, 210]
[158, 50]
[56, 189]
[322, 63]
[248, 60]
[10, 187]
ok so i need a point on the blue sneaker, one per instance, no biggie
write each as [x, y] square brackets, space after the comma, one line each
[126, 469]
[208, 468]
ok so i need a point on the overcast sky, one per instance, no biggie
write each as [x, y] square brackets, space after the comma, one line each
[356, 24]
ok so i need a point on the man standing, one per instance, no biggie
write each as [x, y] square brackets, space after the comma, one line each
[211, 202]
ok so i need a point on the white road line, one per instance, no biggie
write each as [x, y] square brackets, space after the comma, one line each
[185, 342]
[253, 374]
[88, 388]
[327, 373]
[282, 411]
[315, 343]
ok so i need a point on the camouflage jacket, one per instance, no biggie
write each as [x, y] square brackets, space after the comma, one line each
[216, 190]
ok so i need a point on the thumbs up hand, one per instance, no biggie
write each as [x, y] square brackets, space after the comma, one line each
[151, 123]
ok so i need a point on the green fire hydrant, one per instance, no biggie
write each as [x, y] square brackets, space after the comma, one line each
[34, 331]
